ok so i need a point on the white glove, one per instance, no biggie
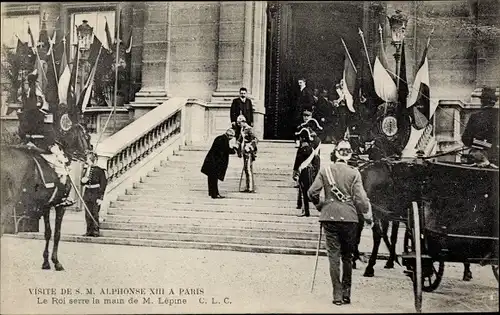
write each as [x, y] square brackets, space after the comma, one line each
[98, 202]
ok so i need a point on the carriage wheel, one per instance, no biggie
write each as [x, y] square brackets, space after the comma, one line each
[495, 270]
[432, 275]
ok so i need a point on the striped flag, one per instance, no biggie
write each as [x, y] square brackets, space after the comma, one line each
[64, 77]
[419, 100]
[348, 79]
[109, 41]
[383, 82]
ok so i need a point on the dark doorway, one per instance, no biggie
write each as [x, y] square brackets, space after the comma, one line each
[304, 40]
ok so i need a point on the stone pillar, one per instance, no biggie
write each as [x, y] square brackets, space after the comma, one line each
[447, 128]
[234, 29]
[241, 58]
[138, 16]
[156, 51]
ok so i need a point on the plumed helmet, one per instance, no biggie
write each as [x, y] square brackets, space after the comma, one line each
[343, 151]
[241, 118]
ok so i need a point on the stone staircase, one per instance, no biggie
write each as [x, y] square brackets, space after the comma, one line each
[170, 207]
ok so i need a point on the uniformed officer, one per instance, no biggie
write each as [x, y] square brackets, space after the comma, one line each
[481, 132]
[94, 183]
[305, 168]
[308, 122]
[247, 149]
[345, 197]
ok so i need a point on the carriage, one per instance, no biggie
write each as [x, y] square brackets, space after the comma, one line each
[453, 218]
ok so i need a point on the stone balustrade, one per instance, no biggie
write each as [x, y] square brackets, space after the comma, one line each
[129, 154]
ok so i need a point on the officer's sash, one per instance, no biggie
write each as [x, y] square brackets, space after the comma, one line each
[309, 158]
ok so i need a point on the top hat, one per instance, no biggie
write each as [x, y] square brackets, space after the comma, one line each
[488, 96]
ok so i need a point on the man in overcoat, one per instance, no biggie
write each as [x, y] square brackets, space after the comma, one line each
[345, 198]
[241, 106]
[216, 162]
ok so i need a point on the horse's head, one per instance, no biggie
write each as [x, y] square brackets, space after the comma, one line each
[76, 142]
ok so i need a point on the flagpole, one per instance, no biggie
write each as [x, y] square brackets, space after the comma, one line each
[366, 50]
[349, 55]
[52, 57]
[37, 56]
[116, 68]
[76, 70]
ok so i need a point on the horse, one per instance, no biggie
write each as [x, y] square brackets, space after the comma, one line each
[391, 186]
[24, 177]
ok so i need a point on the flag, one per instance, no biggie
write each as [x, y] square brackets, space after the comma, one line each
[43, 38]
[109, 40]
[31, 43]
[402, 81]
[383, 82]
[419, 100]
[64, 80]
[349, 82]
[87, 90]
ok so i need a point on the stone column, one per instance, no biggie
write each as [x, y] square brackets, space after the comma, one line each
[138, 16]
[233, 26]
[156, 51]
[241, 58]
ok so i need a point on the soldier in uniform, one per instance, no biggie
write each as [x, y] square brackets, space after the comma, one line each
[94, 183]
[345, 198]
[36, 130]
[308, 122]
[305, 168]
[481, 132]
[247, 148]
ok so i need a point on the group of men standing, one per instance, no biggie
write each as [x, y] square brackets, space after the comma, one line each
[217, 159]
[333, 115]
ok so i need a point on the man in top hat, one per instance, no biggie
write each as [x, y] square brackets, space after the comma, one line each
[481, 132]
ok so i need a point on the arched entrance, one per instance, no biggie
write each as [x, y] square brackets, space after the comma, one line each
[304, 40]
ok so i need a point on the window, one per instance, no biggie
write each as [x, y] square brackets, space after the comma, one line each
[18, 25]
[97, 20]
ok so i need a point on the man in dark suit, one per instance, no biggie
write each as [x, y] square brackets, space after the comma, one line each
[241, 106]
[323, 113]
[481, 132]
[94, 183]
[216, 162]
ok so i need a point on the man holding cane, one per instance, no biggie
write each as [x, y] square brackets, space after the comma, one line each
[345, 197]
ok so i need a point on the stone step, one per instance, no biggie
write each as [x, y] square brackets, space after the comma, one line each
[214, 222]
[211, 230]
[240, 209]
[152, 194]
[211, 238]
[179, 244]
[189, 162]
[286, 188]
[228, 183]
[262, 144]
[235, 174]
[231, 199]
[214, 214]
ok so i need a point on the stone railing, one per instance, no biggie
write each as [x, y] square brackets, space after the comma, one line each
[137, 149]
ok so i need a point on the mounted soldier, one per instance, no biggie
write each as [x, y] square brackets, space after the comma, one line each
[37, 133]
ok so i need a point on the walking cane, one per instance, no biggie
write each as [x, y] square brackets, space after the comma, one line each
[317, 256]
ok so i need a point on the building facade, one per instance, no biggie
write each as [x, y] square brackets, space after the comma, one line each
[208, 50]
